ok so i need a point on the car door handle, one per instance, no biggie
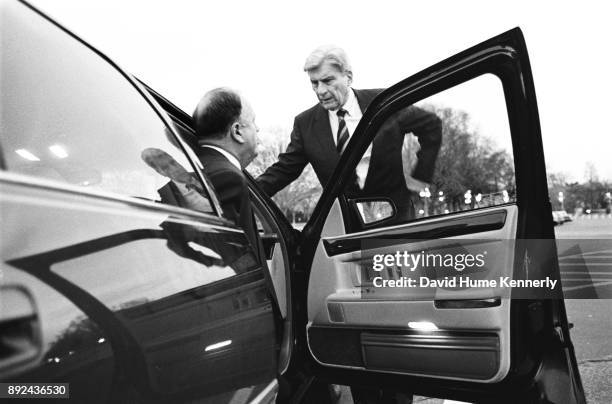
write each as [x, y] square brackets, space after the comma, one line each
[269, 241]
[20, 336]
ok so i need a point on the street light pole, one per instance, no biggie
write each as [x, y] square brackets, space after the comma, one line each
[441, 200]
[468, 197]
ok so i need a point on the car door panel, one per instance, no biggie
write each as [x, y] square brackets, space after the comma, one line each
[342, 300]
[59, 356]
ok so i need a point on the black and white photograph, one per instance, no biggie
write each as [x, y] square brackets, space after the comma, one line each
[305, 202]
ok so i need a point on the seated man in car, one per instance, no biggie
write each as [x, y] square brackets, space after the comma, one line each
[226, 143]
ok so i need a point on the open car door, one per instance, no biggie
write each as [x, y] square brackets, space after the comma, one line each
[429, 262]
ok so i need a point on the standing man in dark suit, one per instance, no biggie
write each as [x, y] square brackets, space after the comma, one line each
[321, 133]
[227, 141]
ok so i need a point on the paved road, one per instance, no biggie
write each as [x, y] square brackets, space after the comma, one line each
[585, 258]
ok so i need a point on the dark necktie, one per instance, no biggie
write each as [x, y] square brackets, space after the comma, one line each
[343, 135]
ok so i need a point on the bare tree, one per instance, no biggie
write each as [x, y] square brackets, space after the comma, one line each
[590, 172]
[468, 161]
[299, 197]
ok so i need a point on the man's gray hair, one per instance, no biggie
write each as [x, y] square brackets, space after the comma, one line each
[328, 53]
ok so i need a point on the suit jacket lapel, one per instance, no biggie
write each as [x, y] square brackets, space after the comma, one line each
[323, 133]
[322, 129]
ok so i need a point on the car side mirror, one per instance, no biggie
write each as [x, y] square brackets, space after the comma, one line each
[373, 210]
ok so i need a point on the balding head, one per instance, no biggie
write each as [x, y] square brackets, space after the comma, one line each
[223, 118]
[216, 112]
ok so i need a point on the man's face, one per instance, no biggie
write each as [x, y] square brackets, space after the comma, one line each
[330, 85]
[248, 130]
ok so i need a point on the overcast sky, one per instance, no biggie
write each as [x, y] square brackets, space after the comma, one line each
[184, 48]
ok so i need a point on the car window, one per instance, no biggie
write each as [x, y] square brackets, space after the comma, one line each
[450, 153]
[69, 116]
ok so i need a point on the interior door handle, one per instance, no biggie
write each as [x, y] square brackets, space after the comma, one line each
[20, 335]
[269, 241]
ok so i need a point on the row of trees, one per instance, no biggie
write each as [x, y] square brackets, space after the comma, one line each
[298, 199]
[468, 162]
[572, 196]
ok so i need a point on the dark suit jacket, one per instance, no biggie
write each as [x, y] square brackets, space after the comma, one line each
[232, 190]
[312, 142]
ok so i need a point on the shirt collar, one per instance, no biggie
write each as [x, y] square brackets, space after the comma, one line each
[351, 105]
[232, 159]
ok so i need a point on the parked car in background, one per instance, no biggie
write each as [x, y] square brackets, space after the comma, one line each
[558, 217]
[121, 276]
[565, 216]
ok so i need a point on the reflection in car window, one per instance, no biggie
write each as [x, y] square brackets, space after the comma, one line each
[69, 342]
[69, 116]
[183, 189]
[179, 292]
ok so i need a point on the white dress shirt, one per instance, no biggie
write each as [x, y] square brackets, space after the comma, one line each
[352, 118]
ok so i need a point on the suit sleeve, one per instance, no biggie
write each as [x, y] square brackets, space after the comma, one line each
[427, 127]
[289, 166]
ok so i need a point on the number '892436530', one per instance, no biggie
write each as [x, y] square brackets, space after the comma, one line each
[56, 390]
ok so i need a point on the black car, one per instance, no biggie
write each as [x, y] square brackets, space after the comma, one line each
[121, 276]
